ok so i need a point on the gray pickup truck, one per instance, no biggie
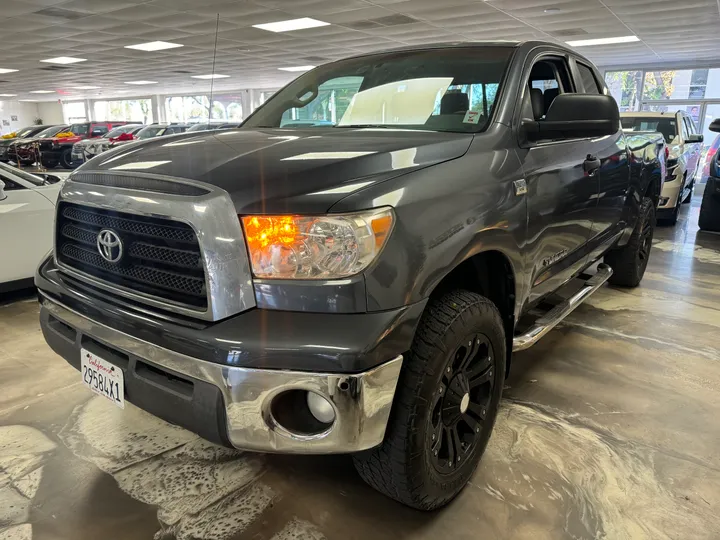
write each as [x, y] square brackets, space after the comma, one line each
[352, 269]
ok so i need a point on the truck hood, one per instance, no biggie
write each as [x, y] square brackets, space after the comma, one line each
[286, 170]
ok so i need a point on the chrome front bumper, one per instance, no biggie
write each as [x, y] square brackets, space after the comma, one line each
[361, 401]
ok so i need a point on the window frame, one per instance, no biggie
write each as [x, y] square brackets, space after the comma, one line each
[583, 64]
[568, 60]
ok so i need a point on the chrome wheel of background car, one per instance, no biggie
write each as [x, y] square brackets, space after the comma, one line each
[461, 404]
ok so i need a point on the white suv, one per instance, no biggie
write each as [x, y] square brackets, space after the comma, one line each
[685, 148]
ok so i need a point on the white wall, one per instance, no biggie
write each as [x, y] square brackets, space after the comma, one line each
[51, 112]
[24, 112]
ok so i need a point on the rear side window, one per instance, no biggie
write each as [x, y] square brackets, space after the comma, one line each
[589, 81]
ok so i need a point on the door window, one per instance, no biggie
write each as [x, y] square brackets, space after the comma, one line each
[11, 185]
[549, 78]
[588, 79]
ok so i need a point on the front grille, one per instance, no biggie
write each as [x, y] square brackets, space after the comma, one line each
[160, 257]
[46, 145]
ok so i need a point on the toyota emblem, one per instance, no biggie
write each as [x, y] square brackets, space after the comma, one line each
[109, 245]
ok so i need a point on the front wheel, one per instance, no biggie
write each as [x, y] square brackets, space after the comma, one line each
[630, 261]
[66, 159]
[445, 404]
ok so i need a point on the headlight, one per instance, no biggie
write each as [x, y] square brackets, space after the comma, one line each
[316, 247]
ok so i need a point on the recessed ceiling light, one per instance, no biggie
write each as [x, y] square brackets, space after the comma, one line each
[42, 92]
[553, 10]
[88, 87]
[297, 68]
[64, 60]
[4, 70]
[210, 76]
[8, 95]
[292, 24]
[154, 46]
[603, 41]
[32, 100]
[141, 82]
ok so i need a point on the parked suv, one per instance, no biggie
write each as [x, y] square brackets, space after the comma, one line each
[685, 150]
[356, 287]
[58, 150]
[87, 149]
[709, 218]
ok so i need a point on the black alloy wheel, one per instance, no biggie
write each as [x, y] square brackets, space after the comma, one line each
[461, 404]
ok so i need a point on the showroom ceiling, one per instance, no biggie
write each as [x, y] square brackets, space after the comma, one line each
[672, 31]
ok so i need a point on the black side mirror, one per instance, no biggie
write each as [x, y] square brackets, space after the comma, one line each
[715, 125]
[51, 178]
[574, 116]
[695, 138]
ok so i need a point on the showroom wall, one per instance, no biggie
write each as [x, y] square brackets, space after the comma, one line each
[50, 112]
[16, 114]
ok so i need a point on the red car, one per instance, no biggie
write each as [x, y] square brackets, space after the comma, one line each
[58, 150]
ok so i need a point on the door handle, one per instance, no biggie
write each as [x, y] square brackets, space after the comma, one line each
[591, 164]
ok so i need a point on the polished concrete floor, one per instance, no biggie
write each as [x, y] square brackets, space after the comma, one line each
[610, 429]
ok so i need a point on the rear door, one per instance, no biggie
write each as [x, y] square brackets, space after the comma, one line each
[561, 196]
[613, 176]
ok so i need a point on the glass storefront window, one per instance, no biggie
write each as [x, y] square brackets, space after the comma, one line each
[227, 107]
[682, 84]
[74, 111]
[127, 110]
[190, 109]
[624, 86]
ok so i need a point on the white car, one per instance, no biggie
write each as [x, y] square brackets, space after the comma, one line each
[685, 149]
[27, 212]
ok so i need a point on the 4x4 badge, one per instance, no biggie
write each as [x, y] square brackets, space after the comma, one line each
[520, 187]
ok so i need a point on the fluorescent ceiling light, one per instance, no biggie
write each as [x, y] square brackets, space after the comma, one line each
[5, 70]
[603, 41]
[85, 87]
[297, 68]
[64, 60]
[154, 46]
[141, 82]
[8, 95]
[42, 92]
[32, 100]
[292, 24]
[210, 76]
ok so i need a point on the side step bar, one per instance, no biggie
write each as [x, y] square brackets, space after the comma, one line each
[548, 321]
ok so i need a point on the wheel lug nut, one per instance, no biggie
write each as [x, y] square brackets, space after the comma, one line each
[436, 452]
[458, 459]
[483, 411]
[477, 430]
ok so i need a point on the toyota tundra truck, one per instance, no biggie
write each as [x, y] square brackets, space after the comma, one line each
[352, 270]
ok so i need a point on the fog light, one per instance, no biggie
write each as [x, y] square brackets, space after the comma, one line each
[320, 408]
[664, 201]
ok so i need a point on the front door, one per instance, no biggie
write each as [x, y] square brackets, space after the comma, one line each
[562, 194]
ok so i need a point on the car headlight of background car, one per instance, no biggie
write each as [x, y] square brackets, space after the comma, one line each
[316, 247]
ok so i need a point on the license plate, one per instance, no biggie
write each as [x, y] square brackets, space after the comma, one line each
[102, 377]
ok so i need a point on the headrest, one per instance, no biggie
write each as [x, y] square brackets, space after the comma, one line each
[538, 103]
[550, 95]
[454, 102]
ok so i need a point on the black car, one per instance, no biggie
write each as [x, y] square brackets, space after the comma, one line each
[709, 219]
[355, 278]
[23, 133]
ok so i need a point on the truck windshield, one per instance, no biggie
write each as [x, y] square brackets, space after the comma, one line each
[79, 129]
[150, 132]
[448, 89]
[666, 126]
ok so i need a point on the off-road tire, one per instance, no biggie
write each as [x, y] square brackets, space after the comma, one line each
[630, 261]
[49, 163]
[402, 466]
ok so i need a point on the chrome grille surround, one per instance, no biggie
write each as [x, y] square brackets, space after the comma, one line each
[212, 216]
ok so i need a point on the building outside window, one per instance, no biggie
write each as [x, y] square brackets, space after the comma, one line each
[127, 110]
[187, 109]
[74, 111]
